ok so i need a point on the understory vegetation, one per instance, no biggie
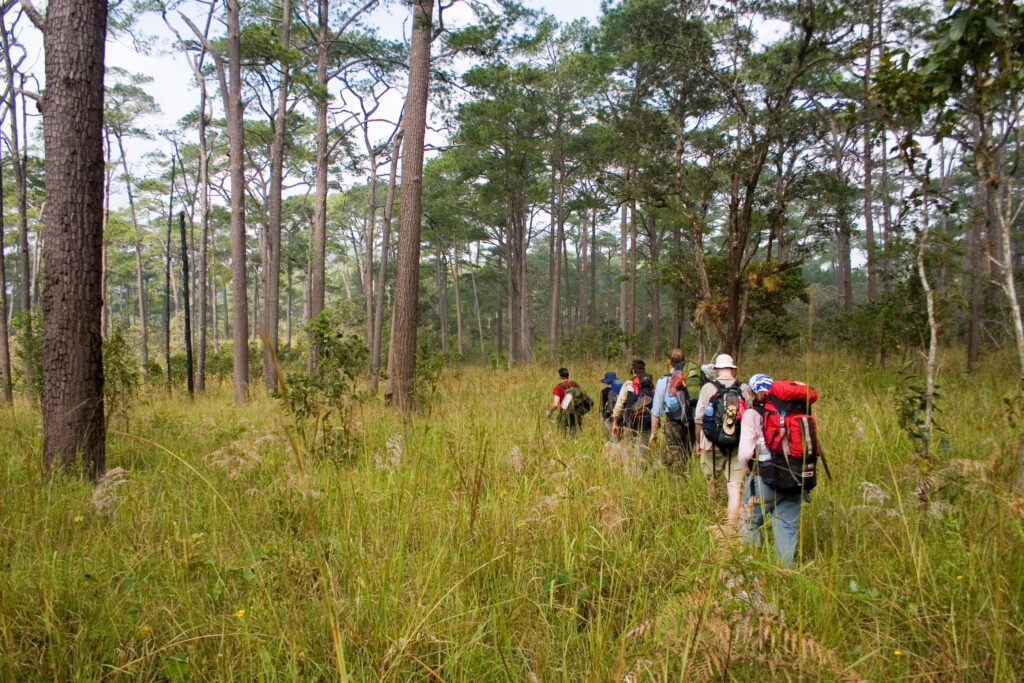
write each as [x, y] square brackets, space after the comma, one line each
[470, 541]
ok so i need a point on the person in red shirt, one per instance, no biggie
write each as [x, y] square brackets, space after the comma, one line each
[559, 395]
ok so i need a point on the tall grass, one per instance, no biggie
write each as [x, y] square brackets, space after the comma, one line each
[471, 541]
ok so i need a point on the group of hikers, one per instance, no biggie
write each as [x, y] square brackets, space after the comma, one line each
[759, 437]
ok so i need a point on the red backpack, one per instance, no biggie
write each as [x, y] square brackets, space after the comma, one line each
[791, 434]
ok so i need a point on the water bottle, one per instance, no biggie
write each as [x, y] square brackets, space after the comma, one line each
[763, 454]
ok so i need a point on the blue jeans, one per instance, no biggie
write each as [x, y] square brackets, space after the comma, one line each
[784, 509]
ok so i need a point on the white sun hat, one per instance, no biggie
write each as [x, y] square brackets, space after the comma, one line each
[724, 361]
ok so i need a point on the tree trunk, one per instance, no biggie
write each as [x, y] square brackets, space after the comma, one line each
[74, 37]
[21, 190]
[272, 268]
[476, 312]
[107, 178]
[593, 267]
[655, 246]
[677, 295]
[933, 325]
[385, 249]
[623, 268]
[974, 269]
[188, 313]
[368, 230]
[213, 317]
[869, 224]
[288, 314]
[236, 132]
[168, 293]
[632, 277]
[442, 297]
[557, 244]
[139, 282]
[255, 308]
[886, 214]
[456, 263]
[6, 389]
[844, 279]
[204, 231]
[319, 241]
[403, 334]
[582, 290]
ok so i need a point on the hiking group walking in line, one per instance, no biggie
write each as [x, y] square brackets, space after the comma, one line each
[758, 437]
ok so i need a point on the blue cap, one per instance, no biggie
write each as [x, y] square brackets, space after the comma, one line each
[609, 377]
[759, 383]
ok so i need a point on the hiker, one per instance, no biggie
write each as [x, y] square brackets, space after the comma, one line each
[779, 443]
[571, 402]
[608, 397]
[636, 416]
[720, 407]
[638, 368]
[672, 407]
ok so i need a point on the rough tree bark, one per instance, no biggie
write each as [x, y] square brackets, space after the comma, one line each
[403, 333]
[236, 131]
[74, 35]
[6, 389]
[319, 237]
[272, 272]
[189, 377]
[385, 250]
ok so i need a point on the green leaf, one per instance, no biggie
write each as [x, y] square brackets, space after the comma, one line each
[995, 28]
[958, 26]
[176, 666]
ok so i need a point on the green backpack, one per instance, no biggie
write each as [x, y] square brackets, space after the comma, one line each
[581, 403]
[694, 378]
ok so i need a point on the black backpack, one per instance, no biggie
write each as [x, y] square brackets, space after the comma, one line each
[612, 396]
[721, 423]
[638, 411]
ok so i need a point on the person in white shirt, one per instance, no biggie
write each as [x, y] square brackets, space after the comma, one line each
[714, 463]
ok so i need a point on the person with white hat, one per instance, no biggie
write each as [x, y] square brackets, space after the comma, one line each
[717, 462]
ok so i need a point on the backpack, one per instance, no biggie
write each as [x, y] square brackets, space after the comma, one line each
[579, 403]
[695, 378]
[677, 398]
[612, 397]
[721, 423]
[791, 434]
[638, 412]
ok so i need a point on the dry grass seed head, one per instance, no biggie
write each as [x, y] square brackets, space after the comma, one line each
[106, 497]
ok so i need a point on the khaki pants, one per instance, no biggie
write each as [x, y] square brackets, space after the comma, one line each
[725, 466]
[677, 443]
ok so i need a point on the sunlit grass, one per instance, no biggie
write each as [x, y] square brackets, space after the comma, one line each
[472, 542]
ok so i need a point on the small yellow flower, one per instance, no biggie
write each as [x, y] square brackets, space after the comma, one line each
[240, 613]
[897, 652]
[520, 525]
[960, 578]
[145, 630]
[220, 654]
[79, 518]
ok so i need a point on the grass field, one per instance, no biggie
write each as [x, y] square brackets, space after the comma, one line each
[470, 542]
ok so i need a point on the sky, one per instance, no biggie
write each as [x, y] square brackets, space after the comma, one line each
[173, 87]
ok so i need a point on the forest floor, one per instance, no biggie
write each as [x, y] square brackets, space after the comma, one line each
[471, 542]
